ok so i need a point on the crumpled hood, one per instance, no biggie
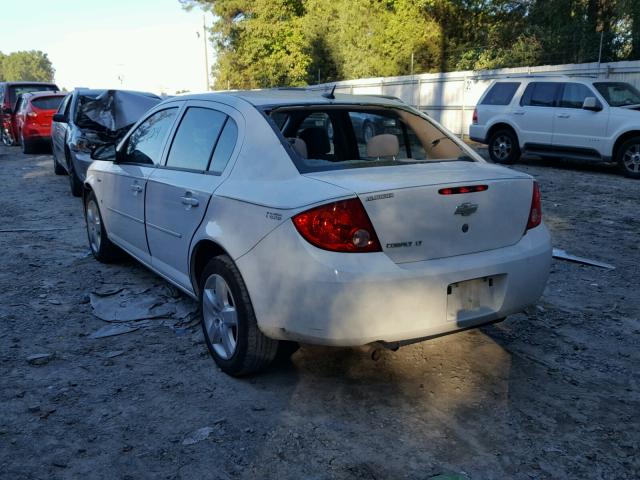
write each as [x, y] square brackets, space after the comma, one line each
[115, 110]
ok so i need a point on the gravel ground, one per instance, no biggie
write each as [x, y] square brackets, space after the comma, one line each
[550, 393]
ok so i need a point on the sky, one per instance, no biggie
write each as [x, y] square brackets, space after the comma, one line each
[152, 45]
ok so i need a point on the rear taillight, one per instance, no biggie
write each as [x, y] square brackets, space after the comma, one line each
[32, 114]
[339, 227]
[474, 119]
[535, 214]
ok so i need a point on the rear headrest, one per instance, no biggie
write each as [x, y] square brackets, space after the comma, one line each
[384, 145]
[317, 140]
[299, 146]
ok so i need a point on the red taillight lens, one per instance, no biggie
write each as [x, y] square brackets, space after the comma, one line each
[474, 119]
[339, 226]
[535, 214]
[32, 114]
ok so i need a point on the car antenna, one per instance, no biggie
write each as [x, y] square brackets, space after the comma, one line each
[330, 94]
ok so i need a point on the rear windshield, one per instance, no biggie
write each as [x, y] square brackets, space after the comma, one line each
[342, 137]
[500, 94]
[16, 90]
[47, 103]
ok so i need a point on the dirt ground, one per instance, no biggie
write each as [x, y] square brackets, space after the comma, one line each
[550, 393]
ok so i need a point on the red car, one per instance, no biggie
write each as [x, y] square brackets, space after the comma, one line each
[33, 115]
[9, 94]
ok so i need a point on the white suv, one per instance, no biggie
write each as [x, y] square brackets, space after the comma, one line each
[578, 118]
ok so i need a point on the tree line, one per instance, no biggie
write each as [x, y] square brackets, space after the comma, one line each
[265, 43]
[32, 65]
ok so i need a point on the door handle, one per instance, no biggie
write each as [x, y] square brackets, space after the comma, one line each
[135, 188]
[189, 200]
[563, 115]
[518, 113]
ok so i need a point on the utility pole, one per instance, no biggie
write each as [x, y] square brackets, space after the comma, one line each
[600, 51]
[206, 53]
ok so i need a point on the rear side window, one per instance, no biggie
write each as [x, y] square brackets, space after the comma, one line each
[47, 103]
[224, 147]
[500, 94]
[196, 136]
[540, 94]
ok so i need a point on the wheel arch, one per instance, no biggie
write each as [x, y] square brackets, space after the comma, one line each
[501, 126]
[202, 252]
[620, 140]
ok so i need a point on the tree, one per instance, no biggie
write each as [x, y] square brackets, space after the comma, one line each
[31, 65]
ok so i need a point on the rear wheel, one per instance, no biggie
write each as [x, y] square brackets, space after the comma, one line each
[103, 250]
[27, 146]
[229, 323]
[74, 182]
[629, 158]
[57, 168]
[503, 147]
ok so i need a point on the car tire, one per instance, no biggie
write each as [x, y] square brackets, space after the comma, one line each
[57, 168]
[229, 323]
[503, 147]
[27, 146]
[629, 158]
[74, 182]
[101, 247]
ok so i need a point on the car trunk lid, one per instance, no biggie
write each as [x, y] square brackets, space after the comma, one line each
[417, 218]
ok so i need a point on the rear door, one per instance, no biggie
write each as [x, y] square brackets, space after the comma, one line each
[535, 115]
[59, 130]
[179, 192]
[124, 183]
[575, 127]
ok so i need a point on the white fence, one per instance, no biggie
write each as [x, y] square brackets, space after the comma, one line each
[451, 97]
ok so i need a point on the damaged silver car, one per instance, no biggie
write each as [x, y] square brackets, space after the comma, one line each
[89, 118]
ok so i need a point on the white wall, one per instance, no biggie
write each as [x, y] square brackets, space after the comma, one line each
[451, 97]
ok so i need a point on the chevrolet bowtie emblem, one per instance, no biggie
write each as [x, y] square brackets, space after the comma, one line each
[466, 209]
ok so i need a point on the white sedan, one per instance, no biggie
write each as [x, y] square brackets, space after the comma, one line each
[296, 216]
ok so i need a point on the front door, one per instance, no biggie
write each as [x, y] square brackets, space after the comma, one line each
[125, 182]
[576, 128]
[179, 193]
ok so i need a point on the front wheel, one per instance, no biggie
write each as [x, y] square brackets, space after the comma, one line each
[229, 323]
[629, 158]
[103, 250]
[503, 147]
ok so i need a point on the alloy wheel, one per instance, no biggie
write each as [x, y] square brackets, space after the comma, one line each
[94, 226]
[220, 316]
[502, 147]
[631, 158]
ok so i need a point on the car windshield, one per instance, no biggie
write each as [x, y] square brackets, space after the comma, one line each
[618, 94]
[346, 136]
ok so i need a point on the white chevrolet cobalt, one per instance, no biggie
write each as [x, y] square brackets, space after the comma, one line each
[297, 216]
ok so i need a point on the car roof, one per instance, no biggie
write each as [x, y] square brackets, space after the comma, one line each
[550, 78]
[11, 84]
[293, 96]
[45, 93]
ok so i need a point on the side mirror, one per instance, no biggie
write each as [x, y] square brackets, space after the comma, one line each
[591, 103]
[106, 152]
[60, 118]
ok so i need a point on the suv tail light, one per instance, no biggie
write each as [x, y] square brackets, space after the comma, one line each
[535, 214]
[339, 227]
[474, 119]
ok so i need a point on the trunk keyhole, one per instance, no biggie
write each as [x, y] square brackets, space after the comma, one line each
[465, 227]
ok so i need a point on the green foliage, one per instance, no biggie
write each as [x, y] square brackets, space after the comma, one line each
[266, 43]
[32, 65]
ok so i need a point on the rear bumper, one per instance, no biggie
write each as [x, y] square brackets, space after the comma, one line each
[303, 293]
[477, 133]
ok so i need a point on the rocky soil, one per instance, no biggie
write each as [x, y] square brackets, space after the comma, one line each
[550, 393]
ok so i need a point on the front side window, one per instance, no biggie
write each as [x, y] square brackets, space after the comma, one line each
[540, 94]
[500, 94]
[63, 106]
[349, 136]
[618, 94]
[144, 146]
[195, 138]
[573, 95]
